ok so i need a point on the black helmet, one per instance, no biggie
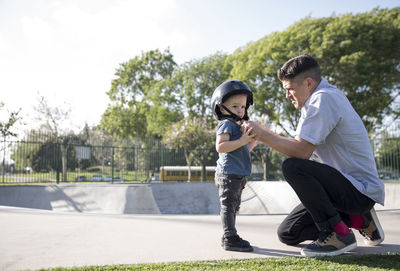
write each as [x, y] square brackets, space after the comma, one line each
[223, 92]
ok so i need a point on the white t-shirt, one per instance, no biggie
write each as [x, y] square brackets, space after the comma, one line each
[329, 121]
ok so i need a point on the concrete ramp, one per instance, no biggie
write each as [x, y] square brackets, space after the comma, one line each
[186, 198]
[174, 198]
[139, 200]
[161, 198]
[268, 198]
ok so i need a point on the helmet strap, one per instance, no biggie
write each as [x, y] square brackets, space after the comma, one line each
[232, 115]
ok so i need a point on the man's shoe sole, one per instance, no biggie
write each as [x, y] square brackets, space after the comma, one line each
[378, 227]
[309, 253]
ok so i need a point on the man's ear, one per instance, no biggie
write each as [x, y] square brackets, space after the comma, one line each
[310, 83]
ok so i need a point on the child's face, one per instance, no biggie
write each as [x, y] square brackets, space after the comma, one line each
[236, 104]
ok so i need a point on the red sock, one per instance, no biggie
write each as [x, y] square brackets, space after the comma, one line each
[356, 221]
[341, 229]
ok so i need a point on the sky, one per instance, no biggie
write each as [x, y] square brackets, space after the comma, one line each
[67, 51]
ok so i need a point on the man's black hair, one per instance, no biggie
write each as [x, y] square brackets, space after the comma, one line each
[304, 65]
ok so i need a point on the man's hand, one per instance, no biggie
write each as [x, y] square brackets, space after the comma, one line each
[291, 147]
[256, 129]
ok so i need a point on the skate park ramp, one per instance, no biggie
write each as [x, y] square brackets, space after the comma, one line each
[171, 198]
[160, 198]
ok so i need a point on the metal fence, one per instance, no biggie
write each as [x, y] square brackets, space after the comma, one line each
[386, 146]
[49, 161]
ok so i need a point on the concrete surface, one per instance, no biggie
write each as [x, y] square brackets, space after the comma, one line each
[79, 225]
[33, 239]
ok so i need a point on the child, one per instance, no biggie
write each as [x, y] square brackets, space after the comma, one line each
[230, 102]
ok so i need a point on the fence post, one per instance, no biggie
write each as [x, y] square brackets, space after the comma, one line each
[112, 164]
[265, 165]
[4, 157]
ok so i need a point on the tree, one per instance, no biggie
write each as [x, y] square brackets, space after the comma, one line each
[355, 52]
[22, 154]
[52, 120]
[368, 70]
[135, 98]
[196, 140]
[6, 127]
[49, 156]
[101, 143]
[196, 81]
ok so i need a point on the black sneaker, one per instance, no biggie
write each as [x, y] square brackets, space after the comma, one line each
[247, 243]
[235, 243]
[372, 230]
[330, 244]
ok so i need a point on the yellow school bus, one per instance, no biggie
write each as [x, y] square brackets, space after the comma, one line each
[180, 174]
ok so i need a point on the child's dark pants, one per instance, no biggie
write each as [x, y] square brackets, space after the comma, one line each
[230, 189]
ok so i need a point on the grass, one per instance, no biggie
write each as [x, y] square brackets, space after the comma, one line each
[345, 263]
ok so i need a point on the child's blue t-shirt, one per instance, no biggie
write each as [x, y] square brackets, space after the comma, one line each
[236, 162]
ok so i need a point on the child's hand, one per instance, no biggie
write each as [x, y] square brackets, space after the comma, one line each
[247, 136]
[252, 143]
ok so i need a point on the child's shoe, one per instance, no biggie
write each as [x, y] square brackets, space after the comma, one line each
[235, 243]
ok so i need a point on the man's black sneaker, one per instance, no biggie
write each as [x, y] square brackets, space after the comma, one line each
[235, 243]
[330, 244]
[372, 230]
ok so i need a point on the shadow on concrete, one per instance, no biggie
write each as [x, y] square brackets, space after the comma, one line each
[47, 197]
[380, 249]
[275, 252]
[25, 197]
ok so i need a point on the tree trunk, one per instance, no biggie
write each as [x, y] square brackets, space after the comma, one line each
[189, 163]
[264, 160]
[203, 173]
[64, 162]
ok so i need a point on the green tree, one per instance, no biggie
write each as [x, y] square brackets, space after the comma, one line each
[358, 53]
[6, 127]
[197, 80]
[101, 142]
[49, 155]
[196, 140]
[368, 63]
[24, 151]
[136, 101]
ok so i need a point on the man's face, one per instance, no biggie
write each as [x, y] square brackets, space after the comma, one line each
[297, 91]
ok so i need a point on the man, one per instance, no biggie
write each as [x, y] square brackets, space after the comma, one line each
[330, 166]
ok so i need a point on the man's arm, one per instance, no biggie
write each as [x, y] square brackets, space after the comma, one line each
[291, 147]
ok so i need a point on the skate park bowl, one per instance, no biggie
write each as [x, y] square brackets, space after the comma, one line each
[259, 197]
